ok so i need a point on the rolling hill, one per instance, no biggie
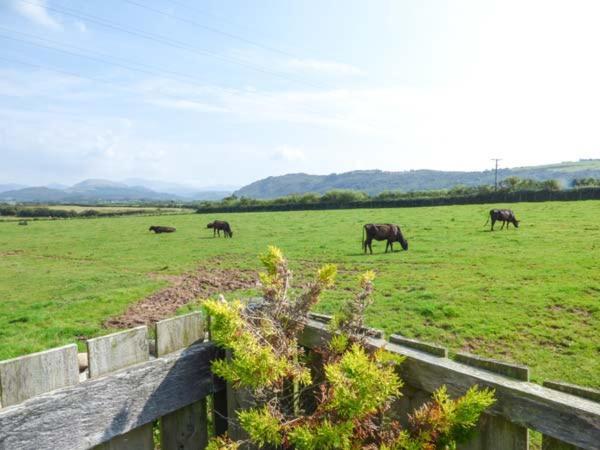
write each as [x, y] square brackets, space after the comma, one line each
[376, 181]
[103, 191]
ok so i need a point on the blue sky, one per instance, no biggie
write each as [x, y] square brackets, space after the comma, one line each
[227, 92]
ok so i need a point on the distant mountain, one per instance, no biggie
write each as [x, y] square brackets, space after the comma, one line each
[11, 187]
[33, 194]
[99, 190]
[377, 181]
[56, 186]
[182, 190]
[88, 191]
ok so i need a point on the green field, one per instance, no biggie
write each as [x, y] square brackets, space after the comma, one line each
[530, 295]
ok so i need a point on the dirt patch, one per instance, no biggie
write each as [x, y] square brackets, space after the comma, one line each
[202, 283]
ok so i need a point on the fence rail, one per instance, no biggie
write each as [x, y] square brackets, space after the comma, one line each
[126, 389]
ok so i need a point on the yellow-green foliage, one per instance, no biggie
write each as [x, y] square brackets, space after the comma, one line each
[253, 365]
[358, 388]
[360, 385]
[261, 425]
[323, 436]
[445, 421]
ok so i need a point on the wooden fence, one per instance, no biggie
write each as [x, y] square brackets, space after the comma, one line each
[132, 384]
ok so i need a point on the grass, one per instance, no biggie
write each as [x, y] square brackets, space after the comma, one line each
[529, 295]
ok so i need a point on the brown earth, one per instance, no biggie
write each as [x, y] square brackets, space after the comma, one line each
[183, 289]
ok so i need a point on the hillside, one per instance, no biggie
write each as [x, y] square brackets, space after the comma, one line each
[376, 181]
[100, 191]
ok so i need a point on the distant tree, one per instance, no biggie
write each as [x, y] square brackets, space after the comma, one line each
[585, 182]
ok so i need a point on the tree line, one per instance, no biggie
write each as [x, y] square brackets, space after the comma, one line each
[510, 189]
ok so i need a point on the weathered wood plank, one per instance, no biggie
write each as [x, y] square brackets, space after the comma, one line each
[326, 318]
[185, 429]
[219, 412]
[497, 433]
[27, 376]
[97, 410]
[512, 370]
[137, 439]
[579, 391]
[436, 350]
[557, 414]
[549, 443]
[116, 351]
[178, 332]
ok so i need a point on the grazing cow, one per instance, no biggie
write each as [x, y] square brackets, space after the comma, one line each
[159, 229]
[219, 225]
[383, 232]
[506, 216]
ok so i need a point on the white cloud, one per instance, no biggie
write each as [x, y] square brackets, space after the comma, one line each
[323, 67]
[288, 153]
[37, 12]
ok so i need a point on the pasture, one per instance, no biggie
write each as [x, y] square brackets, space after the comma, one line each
[530, 295]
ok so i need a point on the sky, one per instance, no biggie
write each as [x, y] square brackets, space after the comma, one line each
[226, 92]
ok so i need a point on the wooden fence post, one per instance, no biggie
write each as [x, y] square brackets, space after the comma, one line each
[413, 398]
[27, 376]
[550, 443]
[186, 428]
[497, 433]
[113, 352]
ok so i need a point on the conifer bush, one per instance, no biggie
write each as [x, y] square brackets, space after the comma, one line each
[351, 407]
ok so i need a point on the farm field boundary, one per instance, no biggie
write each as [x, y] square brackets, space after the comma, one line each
[496, 197]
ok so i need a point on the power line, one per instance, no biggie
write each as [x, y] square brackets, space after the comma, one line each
[211, 29]
[145, 35]
[168, 42]
[151, 71]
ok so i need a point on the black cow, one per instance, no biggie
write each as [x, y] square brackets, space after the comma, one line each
[220, 225]
[159, 229]
[506, 216]
[383, 232]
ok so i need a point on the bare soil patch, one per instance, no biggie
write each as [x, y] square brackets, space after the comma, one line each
[202, 283]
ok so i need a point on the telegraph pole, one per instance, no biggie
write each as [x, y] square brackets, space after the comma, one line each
[496, 173]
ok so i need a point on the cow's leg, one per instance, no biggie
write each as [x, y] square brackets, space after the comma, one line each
[493, 222]
[370, 243]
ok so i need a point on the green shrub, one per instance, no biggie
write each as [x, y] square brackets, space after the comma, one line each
[359, 386]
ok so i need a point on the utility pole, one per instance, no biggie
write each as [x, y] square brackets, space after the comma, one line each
[496, 173]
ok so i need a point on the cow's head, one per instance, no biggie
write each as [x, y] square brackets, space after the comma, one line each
[403, 242]
[210, 225]
[152, 228]
[516, 223]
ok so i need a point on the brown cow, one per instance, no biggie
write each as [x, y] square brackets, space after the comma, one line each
[506, 216]
[159, 229]
[383, 232]
[219, 225]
